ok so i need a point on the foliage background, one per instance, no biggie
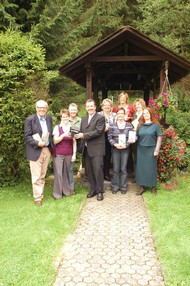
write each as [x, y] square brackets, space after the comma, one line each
[39, 36]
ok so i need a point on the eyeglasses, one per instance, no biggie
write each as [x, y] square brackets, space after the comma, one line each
[121, 113]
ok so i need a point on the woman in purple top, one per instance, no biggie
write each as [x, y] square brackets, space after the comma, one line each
[65, 150]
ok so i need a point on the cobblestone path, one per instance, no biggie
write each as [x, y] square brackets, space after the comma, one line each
[112, 245]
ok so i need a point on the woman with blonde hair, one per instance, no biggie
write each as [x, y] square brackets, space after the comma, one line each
[109, 119]
[123, 99]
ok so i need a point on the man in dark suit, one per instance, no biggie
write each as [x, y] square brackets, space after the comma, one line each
[38, 137]
[92, 133]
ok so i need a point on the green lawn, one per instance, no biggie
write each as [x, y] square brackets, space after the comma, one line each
[31, 236]
[169, 214]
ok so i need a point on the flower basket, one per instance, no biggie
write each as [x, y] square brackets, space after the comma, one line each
[162, 103]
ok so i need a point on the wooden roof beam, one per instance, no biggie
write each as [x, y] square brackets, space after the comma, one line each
[127, 58]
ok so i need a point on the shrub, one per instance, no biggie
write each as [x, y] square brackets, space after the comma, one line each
[180, 120]
[21, 74]
[173, 155]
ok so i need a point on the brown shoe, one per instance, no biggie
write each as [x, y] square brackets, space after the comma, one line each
[38, 203]
[141, 191]
[153, 190]
[72, 192]
[44, 197]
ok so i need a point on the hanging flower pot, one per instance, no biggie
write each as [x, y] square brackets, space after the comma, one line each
[162, 103]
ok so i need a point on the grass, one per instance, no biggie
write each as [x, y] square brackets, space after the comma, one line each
[169, 214]
[31, 236]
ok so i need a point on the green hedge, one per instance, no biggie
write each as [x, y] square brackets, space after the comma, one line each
[22, 82]
[180, 120]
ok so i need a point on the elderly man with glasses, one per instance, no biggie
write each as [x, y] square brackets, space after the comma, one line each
[38, 137]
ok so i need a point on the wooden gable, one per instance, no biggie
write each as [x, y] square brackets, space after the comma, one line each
[125, 60]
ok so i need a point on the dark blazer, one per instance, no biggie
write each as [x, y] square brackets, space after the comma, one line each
[32, 126]
[94, 135]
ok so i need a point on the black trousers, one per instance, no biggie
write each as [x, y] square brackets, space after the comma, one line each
[95, 173]
[107, 157]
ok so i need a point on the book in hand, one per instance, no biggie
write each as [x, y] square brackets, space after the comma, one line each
[132, 136]
[37, 137]
[74, 130]
[45, 137]
[122, 139]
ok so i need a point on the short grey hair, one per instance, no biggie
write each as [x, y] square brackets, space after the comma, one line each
[41, 102]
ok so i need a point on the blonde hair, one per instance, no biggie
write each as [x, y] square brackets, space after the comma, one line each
[123, 93]
[107, 100]
[141, 101]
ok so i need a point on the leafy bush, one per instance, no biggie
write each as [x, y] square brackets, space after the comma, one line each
[173, 155]
[180, 120]
[181, 90]
[21, 83]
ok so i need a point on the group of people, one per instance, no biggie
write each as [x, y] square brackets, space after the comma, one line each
[42, 141]
[106, 137]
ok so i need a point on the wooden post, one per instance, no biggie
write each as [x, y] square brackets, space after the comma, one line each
[88, 80]
[146, 93]
[95, 95]
[154, 93]
[162, 80]
[163, 75]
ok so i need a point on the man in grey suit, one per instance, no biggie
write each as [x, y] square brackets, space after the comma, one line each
[92, 133]
[38, 137]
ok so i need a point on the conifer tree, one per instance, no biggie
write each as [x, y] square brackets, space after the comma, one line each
[167, 22]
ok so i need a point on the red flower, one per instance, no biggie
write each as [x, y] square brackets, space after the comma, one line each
[169, 186]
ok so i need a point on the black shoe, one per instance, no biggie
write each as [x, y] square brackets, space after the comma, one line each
[141, 191]
[100, 197]
[114, 192]
[123, 192]
[91, 195]
[107, 178]
[153, 190]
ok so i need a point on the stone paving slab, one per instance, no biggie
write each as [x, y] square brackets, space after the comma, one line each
[111, 245]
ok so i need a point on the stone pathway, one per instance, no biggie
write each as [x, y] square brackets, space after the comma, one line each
[111, 246]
